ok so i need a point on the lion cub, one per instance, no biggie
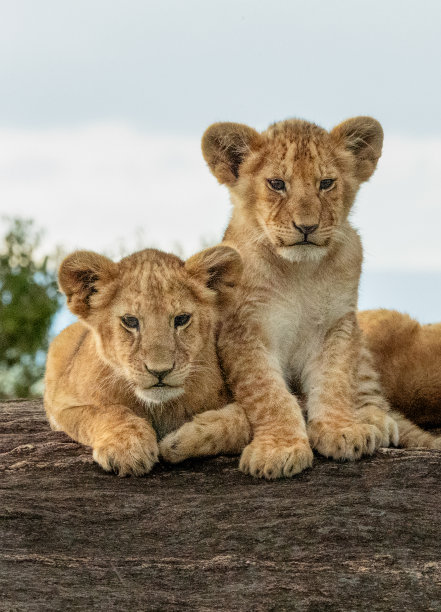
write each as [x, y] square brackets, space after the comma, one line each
[142, 359]
[408, 357]
[289, 339]
[293, 325]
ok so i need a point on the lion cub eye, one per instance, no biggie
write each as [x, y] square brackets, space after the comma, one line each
[181, 320]
[326, 184]
[277, 184]
[130, 322]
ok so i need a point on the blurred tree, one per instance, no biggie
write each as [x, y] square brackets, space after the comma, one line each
[28, 302]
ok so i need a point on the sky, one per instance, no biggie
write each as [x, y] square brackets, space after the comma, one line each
[103, 103]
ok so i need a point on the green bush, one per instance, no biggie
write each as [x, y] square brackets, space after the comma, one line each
[28, 302]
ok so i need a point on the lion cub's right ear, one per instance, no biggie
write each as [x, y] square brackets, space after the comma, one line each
[363, 137]
[225, 146]
[219, 267]
[84, 277]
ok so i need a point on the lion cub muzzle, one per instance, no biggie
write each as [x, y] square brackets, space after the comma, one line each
[305, 231]
[160, 373]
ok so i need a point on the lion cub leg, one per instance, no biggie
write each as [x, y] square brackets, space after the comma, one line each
[122, 442]
[374, 409]
[372, 406]
[214, 432]
[280, 445]
[330, 382]
[412, 436]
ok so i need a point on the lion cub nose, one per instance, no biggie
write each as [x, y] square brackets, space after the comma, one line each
[306, 229]
[160, 374]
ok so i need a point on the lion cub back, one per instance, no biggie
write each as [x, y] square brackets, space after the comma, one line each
[408, 357]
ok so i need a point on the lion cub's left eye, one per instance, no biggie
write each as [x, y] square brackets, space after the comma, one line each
[130, 322]
[277, 184]
[181, 320]
[326, 183]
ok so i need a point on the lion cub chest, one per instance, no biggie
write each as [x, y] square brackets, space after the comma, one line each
[297, 320]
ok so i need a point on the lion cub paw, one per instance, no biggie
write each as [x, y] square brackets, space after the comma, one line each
[384, 421]
[128, 451]
[270, 460]
[344, 442]
[179, 445]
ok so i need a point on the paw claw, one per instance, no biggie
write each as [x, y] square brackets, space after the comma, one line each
[384, 422]
[170, 448]
[130, 450]
[347, 442]
[271, 461]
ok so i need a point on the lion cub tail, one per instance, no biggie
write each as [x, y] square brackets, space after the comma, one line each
[412, 436]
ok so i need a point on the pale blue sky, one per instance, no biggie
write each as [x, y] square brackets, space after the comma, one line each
[103, 102]
[177, 66]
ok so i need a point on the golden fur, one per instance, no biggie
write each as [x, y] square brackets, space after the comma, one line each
[292, 325]
[408, 357]
[288, 335]
[101, 373]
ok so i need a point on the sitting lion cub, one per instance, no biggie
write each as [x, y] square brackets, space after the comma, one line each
[142, 359]
[292, 325]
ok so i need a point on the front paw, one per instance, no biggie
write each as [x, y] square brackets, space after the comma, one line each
[344, 440]
[383, 421]
[272, 460]
[129, 450]
[178, 445]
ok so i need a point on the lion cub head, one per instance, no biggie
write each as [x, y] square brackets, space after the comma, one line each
[152, 314]
[295, 183]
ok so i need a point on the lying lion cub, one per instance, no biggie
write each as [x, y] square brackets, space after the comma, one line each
[407, 356]
[142, 359]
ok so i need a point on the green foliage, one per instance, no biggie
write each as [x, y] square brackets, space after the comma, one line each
[28, 302]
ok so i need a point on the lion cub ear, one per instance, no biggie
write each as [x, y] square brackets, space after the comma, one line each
[84, 277]
[363, 137]
[218, 267]
[225, 146]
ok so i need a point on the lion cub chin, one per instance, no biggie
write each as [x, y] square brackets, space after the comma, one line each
[141, 360]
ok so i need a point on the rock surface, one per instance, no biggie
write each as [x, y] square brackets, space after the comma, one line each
[202, 536]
